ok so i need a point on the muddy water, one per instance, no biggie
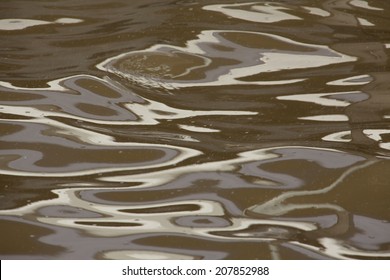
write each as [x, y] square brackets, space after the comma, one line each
[195, 129]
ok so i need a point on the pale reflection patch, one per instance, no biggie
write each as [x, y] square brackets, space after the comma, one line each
[365, 22]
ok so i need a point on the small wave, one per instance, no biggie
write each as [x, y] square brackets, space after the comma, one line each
[221, 57]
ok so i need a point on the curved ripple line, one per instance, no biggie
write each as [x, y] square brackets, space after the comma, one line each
[277, 206]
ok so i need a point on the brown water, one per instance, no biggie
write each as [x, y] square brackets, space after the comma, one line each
[195, 129]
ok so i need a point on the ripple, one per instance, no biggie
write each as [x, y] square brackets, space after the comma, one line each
[90, 99]
[80, 97]
[81, 153]
[211, 218]
[221, 57]
[203, 130]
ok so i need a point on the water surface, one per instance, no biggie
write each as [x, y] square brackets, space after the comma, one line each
[195, 129]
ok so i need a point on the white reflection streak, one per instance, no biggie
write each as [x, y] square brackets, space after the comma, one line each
[326, 118]
[19, 24]
[323, 99]
[260, 13]
[198, 129]
[352, 81]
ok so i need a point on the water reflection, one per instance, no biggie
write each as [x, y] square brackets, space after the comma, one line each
[221, 57]
[194, 130]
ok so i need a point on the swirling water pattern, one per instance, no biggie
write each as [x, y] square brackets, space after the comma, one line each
[195, 130]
